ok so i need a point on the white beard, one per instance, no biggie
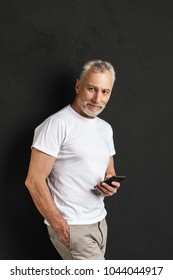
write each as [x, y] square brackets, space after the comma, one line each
[89, 112]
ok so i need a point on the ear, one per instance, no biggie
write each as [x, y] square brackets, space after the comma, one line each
[77, 86]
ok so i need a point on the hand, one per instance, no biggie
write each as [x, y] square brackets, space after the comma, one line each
[63, 232]
[107, 190]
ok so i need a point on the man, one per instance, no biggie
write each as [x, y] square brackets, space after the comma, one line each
[72, 153]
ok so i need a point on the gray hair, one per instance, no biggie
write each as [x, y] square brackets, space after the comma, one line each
[98, 66]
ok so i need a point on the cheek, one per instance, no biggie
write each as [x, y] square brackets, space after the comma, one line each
[106, 99]
[85, 95]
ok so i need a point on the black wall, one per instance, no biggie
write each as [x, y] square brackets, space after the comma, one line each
[43, 45]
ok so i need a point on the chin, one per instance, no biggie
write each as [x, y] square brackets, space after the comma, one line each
[91, 113]
[88, 112]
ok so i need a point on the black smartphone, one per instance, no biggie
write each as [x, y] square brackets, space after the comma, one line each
[114, 178]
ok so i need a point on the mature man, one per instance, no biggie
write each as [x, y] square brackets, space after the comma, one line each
[72, 153]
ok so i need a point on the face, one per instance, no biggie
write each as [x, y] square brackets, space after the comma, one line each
[93, 93]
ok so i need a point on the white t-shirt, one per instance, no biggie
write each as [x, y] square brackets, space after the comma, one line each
[82, 148]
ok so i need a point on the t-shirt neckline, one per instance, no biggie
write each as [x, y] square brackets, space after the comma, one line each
[89, 120]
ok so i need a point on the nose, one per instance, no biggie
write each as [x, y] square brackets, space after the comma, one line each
[97, 97]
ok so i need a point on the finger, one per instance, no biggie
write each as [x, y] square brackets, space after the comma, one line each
[108, 176]
[101, 190]
[106, 190]
[110, 190]
[116, 184]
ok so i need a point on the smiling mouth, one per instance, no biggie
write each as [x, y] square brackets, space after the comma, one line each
[95, 107]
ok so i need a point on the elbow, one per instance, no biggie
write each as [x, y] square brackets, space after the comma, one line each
[28, 183]
[33, 183]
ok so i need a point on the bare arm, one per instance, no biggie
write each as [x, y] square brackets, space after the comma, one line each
[110, 171]
[40, 167]
[104, 188]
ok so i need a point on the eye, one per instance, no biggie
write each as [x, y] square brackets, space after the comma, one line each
[106, 92]
[92, 89]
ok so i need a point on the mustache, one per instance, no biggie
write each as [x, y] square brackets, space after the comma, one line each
[95, 104]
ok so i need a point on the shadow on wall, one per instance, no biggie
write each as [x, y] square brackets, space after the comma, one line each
[24, 235]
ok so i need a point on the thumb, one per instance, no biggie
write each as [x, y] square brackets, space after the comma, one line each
[108, 175]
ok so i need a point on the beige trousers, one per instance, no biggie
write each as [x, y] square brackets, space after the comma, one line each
[86, 242]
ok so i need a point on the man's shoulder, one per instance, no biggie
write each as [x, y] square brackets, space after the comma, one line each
[65, 111]
[56, 119]
[60, 116]
[103, 123]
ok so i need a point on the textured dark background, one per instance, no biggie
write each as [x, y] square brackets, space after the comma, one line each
[42, 47]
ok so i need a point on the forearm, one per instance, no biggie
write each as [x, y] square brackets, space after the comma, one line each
[43, 201]
[40, 167]
[110, 171]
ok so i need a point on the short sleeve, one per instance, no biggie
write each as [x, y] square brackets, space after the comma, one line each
[111, 142]
[49, 136]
